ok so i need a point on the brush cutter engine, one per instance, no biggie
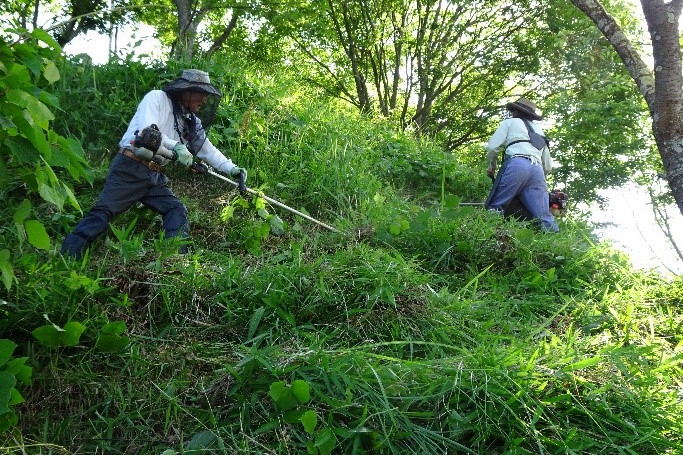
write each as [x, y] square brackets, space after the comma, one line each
[558, 202]
[149, 138]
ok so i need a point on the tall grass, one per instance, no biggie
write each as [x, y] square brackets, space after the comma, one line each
[429, 328]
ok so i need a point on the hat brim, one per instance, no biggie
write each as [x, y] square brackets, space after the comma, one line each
[525, 109]
[182, 85]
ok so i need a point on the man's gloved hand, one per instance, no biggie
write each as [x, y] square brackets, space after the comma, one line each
[160, 159]
[235, 172]
[182, 154]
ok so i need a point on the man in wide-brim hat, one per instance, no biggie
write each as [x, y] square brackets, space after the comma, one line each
[520, 187]
[181, 112]
[525, 107]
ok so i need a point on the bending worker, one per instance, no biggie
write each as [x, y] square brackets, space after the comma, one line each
[520, 187]
[182, 111]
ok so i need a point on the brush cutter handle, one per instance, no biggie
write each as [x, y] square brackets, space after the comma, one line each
[242, 182]
[275, 202]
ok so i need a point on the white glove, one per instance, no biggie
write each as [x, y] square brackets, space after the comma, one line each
[165, 153]
[182, 155]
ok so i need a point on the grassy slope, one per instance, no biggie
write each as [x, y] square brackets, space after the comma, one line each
[430, 328]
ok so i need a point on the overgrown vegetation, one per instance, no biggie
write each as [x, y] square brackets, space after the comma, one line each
[428, 327]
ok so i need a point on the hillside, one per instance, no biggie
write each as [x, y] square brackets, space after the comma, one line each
[424, 327]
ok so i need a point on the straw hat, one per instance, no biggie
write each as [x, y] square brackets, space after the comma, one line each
[525, 106]
[192, 80]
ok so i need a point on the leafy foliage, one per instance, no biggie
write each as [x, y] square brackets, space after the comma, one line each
[425, 327]
[600, 139]
[31, 151]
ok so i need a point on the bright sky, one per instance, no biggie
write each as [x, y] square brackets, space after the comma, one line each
[140, 42]
[636, 233]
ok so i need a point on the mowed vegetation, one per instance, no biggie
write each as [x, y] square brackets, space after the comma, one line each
[424, 327]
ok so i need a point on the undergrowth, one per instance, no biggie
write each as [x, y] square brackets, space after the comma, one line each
[422, 327]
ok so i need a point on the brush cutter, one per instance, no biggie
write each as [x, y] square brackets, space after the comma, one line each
[149, 139]
[240, 184]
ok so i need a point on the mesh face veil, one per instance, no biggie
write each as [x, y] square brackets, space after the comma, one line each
[192, 127]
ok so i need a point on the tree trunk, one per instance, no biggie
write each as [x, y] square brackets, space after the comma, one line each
[188, 21]
[663, 89]
[667, 109]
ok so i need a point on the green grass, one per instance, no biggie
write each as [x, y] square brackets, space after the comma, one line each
[430, 328]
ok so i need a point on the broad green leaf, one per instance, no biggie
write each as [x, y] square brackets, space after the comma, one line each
[109, 342]
[277, 389]
[203, 440]
[282, 396]
[40, 114]
[53, 336]
[34, 134]
[19, 369]
[325, 441]
[8, 420]
[15, 397]
[37, 235]
[110, 339]
[7, 270]
[22, 212]
[71, 197]
[293, 416]
[227, 213]
[26, 54]
[7, 382]
[51, 195]
[309, 420]
[59, 159]
[51, 73]
[72, 333]
[7, 347]
[45, 37]
[451, 201]
[301, 391]
[263, 213]
[277, 225]
[114, 328]
[17, 76]
[48, 335]
[22, 149]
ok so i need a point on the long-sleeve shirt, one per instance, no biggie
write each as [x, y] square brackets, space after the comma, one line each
[156, 107]
[511, 130]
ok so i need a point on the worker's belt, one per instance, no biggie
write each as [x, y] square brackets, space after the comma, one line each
[152, 165]
[521, 156]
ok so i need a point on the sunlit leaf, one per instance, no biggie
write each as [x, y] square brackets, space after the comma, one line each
[309, 420]
[37, 235]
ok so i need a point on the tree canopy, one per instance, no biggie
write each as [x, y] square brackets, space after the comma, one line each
[437, 68]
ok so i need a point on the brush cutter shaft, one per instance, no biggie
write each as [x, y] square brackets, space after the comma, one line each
[274, 202]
